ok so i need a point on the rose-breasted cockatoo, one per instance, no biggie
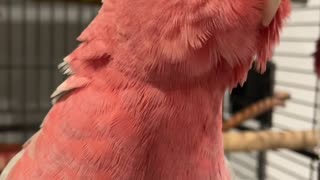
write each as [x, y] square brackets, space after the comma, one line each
[144, 98]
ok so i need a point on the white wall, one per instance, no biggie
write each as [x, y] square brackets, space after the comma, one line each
[295, 68]
[298, 38]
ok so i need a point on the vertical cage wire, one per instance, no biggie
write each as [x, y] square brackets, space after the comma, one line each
[36, 35]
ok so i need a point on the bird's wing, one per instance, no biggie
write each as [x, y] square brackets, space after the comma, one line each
[71, 83]
[80, 66]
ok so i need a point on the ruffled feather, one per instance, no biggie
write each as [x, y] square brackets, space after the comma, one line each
[269, 36]
[157, 34]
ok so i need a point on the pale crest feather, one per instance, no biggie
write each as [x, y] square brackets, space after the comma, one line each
[71, 83]
[65, 68]
[59, 92]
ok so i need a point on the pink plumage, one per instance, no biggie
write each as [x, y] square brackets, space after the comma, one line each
[144, 98]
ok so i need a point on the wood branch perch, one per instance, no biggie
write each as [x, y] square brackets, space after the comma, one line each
[266, 140]
[256, 109]
[234, 142]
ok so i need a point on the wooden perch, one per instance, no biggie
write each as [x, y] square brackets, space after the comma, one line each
[233, 142]
[255, 109]
[266, 140]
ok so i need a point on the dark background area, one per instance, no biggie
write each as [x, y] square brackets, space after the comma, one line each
[35, 37]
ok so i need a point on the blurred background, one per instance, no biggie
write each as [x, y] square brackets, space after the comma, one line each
[36, 35]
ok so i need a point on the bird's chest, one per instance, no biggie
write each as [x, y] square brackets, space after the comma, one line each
[179, 129]
[179, 115]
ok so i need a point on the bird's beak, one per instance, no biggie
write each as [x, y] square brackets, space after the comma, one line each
[270, 11]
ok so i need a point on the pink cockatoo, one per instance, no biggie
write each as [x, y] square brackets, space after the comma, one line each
[144, 96]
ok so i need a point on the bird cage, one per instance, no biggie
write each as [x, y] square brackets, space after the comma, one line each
[37, 34]
[294, 74]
